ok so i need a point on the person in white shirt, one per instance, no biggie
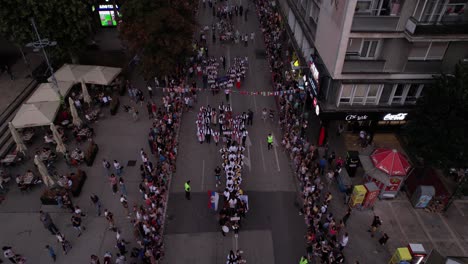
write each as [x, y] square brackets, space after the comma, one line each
[344, 241]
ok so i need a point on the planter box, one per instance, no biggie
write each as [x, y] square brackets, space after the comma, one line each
[78, 181]
[91, 153]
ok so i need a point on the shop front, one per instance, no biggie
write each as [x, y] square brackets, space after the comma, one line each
[368, 121]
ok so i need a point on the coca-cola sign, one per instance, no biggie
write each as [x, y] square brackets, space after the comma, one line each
[356, 117]
[395, 117]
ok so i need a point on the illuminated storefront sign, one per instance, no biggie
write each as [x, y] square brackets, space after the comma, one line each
[356, 117]
[395, 117]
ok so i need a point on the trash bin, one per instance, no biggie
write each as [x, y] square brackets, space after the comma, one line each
[352, 162]
[422, 196]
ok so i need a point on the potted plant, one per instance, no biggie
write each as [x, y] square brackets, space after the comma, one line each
[90, 153]
[49, 195]
[78, 180]
[114, 105]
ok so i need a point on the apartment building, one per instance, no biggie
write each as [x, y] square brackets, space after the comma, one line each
[370, 60]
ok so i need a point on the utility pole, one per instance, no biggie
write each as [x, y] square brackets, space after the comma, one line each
[41, 44]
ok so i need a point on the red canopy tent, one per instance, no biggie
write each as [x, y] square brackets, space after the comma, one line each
[391, 162]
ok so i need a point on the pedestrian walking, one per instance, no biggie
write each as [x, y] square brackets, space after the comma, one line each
[347, 215]
[339, 130]
[122, 187]
[110, 219]
[124, 202]
[113, 181]
[135, 113]
[97, 203]
[226, 93]
[150, 90]
[47, 222]
[252, 36]
[187, 190]
[95, 259]
[383, 239]
[250, 115]
[270, 141]
[76, 223]
[118, 168]
[375, 225]
[106, 164]
[223, 61]
[7, 69]
[244, 136]
[224, 230]
[121, 247]
[66, 246]
[322, 165]
[9, 254]
[120, 259]
[331, 158]
[108, 258]
[344, 241]
[51, 252]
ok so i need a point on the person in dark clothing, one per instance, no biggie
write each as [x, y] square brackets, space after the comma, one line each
[346, 216]
[383, 239]
[48, 223]
[250, 115]
[375, 224]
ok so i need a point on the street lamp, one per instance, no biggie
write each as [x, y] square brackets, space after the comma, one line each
[40, 44]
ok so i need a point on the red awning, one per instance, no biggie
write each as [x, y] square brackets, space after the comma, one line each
[391, 162]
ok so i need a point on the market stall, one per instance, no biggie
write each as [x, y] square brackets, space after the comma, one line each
[387, 168]
[36, 114]
[46, 92]
[91, 74]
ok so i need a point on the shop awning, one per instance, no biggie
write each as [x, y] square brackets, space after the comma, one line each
[36, 114]
[88, 73]
[46, 92]
[372, 171]
[390, 161]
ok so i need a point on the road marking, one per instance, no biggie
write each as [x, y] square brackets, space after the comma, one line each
[455, 203]
[203, 175]
[453, 234]
[263, 157]
[418, 217]
[248, 144]
[398, 222]
[276, 153]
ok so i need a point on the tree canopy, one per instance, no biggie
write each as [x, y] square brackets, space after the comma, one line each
[67, 22]
[160, 32]
[438, 130]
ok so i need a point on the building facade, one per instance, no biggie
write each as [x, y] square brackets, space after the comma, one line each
[373, 58]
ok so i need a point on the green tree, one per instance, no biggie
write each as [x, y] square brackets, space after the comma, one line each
[160, 32]
[67, 22]
[438, 130]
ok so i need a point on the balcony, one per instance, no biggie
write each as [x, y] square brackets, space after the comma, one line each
[428, 66]
[448, 25]
[363, 66]
[374, 23]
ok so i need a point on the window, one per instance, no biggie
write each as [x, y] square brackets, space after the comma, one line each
[363, 94]
[405, 94]
[369, 49]
[428, 50]
[378, 7]
[346, 92]
[364, 6]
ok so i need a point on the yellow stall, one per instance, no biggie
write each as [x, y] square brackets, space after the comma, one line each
[402, 255]
[358, 195]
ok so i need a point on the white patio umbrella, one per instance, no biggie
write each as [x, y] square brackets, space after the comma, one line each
[86, 96]
[58, 139]
[43, 171]
[76, 119]
[20, 146]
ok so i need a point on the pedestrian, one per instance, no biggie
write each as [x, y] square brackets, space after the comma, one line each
[246, 40]
[51, 252]
[149, 110]
[250, 115]
[339, 130]
[348, 193]
[303, 259]
[244, 136]
[108, 258]
[331, 158]
[383, 239]
[113, 181]
[124, 202]
[110, 219]
[344, 241]
[9, 254]
[270, 141]
[187, 190]
[106, 164]
[347, 215]
[122, 187]
[118, 168]
[76, 223]
[322, 165]
[121, 247]
[66, 246]
[135, 113]
[120, 259]
[226, 93]
[7, 69]
[223, 60]
[224, 230]
[47, 222]
[375, 225]
[97, 203]
[95, 259]
[150, 90]
[252, 36]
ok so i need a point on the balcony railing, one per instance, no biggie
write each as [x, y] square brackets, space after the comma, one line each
[359, 66]
[449, 25]
[374, 23]
[421, 66]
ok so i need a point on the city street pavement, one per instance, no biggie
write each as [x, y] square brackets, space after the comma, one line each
[273, 231]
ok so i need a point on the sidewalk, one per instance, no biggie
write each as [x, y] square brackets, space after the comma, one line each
[445, 232]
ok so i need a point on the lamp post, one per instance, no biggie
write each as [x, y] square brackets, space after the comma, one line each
[41, 44]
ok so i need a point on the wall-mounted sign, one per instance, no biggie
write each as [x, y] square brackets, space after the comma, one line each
[395, 117]
[107, 15]
[356, 117]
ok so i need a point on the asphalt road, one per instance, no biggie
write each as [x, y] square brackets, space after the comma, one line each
[273, 231]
